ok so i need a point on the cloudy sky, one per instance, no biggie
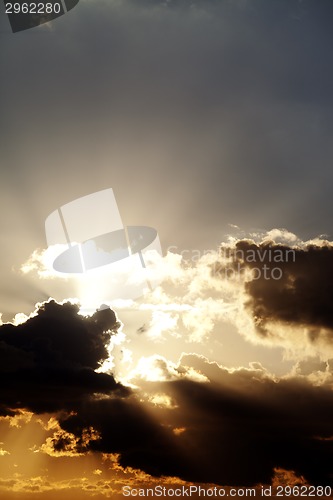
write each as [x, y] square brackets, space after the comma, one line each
[212, 122]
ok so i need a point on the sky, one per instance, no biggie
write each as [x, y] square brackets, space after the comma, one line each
[212, 123]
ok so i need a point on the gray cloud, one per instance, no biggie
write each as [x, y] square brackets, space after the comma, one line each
[302, 296]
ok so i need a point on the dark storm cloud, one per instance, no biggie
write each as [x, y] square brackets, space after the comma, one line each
[244, 426]
[47, 365]
[59, 336]
[48, 362]
[291, 285]
[127, 428]
[238, 428]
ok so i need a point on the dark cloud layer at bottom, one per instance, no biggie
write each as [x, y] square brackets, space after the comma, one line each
[237, 427]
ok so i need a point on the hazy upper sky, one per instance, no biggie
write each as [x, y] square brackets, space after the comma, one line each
[200, 115]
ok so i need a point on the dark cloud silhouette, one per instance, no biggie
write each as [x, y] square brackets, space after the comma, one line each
[244, 424]
[48, 366]
[289, 285]
[48, 362]
[127, 428]
[57, 335]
